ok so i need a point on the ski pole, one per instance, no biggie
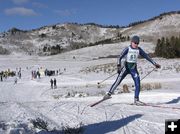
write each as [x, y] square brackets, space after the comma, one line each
[106, 78]
[148, 74]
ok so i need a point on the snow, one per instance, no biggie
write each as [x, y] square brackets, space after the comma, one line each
[67, 106]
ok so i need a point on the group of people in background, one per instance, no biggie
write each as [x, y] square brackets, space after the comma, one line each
[9, 73]
[35, 74]
[39, 72]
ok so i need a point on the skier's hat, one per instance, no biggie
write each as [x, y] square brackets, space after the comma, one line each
[135, 39]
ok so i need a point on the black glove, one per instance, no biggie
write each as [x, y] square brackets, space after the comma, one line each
[157, 66]
[119, 68]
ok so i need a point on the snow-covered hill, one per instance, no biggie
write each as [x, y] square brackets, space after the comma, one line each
[62, 35]
[58, 37]
[163, 26]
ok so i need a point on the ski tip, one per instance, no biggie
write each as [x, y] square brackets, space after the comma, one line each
[94, 104]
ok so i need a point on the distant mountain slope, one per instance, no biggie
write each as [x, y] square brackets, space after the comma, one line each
[163, 25]
[61, 35]
[55, 38]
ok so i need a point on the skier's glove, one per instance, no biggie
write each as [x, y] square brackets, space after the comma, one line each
[119, 68]
[157, 66]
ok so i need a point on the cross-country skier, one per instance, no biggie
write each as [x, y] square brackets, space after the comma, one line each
[130, 54]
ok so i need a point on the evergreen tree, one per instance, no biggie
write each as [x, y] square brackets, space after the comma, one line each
[168, 47]
[158, 51]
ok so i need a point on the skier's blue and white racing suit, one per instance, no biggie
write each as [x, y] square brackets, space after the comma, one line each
[130, 67]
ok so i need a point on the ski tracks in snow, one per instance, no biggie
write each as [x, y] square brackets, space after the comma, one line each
[147, 124]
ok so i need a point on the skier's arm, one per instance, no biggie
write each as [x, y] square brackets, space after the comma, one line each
[122, 55]
[146, 56]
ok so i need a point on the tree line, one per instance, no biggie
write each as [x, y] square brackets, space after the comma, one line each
[168, 47]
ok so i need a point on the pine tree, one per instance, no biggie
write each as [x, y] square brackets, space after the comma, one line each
[168, 48]
[158, 51]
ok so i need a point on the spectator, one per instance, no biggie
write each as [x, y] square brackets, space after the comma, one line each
[55, 86]
[51, 81]
[15, 80]
[1, 78]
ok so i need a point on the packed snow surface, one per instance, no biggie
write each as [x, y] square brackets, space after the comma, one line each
[32, 100]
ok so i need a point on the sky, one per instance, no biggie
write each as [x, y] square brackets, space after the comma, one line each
[31, 14]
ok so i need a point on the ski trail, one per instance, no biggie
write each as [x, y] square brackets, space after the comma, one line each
[145, 126]
[37, 114]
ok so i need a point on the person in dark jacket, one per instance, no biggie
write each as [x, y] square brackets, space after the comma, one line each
[51, 81]
[55, 86]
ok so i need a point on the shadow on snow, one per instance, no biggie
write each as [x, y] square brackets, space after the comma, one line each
[174, 101]
[109, 126]
[102, 127]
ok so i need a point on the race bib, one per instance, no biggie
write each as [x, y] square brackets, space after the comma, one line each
[132, 55]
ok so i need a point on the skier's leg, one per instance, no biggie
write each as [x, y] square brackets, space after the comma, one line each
[119, 78]
[136, 78]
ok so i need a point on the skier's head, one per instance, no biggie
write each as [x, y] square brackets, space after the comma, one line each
[135, 39]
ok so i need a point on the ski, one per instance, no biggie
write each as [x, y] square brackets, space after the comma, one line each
[160, 106]
[154, 105]
[94, 104]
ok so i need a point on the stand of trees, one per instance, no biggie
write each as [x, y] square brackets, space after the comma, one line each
[168, 47]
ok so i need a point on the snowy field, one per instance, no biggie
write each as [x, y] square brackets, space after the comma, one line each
[31, 106]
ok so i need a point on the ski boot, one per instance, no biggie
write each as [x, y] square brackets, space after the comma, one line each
[138, 102]
[107, 96]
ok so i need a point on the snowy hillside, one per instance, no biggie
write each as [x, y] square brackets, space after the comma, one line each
[55, 38]
[31, 106]
[62, 35]
[166, 25]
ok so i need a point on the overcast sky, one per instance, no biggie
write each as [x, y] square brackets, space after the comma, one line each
[30, 14]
